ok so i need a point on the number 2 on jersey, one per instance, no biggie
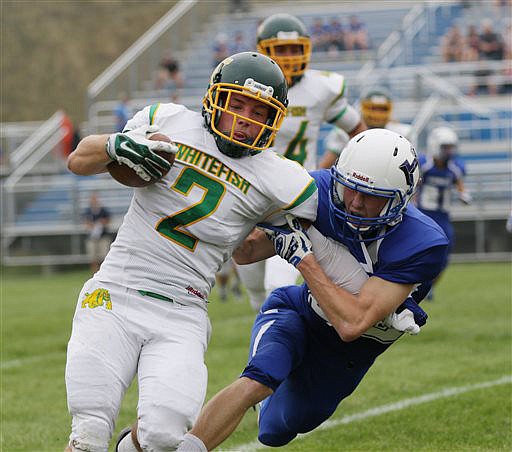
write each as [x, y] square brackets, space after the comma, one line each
[296, 150]
[213, 194]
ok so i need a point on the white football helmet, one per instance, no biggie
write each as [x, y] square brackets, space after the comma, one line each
[442, 143]
[377, 162]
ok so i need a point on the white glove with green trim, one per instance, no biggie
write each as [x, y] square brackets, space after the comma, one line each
[136, 151]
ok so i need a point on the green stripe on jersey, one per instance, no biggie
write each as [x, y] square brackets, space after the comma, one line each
[306, 193]
[152, 113]
[338, 116]
[340, 95]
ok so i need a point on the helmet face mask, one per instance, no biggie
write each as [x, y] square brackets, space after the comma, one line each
[254, 77]
[377, 163]
[284, 38]
[376, 108]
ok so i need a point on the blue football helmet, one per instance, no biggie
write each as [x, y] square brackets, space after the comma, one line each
[376, 162]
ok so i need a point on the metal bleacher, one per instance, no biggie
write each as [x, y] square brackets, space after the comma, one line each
[41, 222]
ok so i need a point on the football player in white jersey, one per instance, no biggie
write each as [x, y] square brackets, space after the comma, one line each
[376, 110]
[315, 97]
[144, 312]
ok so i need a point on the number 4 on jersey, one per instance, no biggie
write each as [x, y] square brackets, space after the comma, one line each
[297, 148]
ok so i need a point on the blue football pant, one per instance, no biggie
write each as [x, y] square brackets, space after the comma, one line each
[302, 358]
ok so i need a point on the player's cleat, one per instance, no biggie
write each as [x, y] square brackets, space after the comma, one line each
[124, 432]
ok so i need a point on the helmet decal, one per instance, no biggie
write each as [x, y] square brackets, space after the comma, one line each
[408, 170]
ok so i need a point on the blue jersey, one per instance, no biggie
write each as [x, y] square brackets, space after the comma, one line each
[414, 252]
[301, 357]
[435, 191]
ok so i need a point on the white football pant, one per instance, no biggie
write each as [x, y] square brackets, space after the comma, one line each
[163, 342]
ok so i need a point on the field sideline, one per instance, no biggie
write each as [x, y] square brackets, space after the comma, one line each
[447, 389]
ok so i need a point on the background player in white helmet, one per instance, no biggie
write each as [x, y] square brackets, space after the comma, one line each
[144, 312]
[376, 109]
[441, 172]
[315, 97]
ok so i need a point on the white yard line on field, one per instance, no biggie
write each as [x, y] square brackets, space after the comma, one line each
[11, 363]
[377, 411]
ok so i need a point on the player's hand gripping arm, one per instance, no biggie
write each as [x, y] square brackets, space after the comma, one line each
[290, 240]
[132, 148]
[351, 315]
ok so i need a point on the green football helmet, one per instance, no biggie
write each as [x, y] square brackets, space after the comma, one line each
[285, 30]
[254, 76]
[376, 107]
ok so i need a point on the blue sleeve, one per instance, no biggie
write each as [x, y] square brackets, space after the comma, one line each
[422, 267]
[460, 163]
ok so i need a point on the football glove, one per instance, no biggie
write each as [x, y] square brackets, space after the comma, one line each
[465, 197]
[136, 151]
[404, 321]
[290, 240]
[409, 317]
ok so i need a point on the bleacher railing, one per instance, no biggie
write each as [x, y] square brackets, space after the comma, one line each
[136, 64]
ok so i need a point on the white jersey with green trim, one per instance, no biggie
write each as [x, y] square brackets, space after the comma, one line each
[317, 98]
[337, 139]
[178, 232]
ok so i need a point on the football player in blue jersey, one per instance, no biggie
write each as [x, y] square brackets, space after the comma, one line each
[312, 344]
[441, 171]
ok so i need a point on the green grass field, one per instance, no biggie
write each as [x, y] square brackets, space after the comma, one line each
[461, 362]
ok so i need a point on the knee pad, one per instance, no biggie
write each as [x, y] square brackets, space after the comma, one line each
[162, 429]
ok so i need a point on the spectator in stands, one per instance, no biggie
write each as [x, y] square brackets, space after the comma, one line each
[507, 38]
[336, 35]
[490, 48]
[320, 37]
[96, 219]
[471, 44]
[506, 85]
[239, 44]
[70, 138]
[452, 45]
[220, 49]
[441, 171]
[491, 43]
[169, 77]
[122, 112]
[239, 6]
[356, 37]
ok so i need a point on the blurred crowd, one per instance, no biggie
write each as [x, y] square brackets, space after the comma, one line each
[476, 43]
[334, 35]
[481, 44]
